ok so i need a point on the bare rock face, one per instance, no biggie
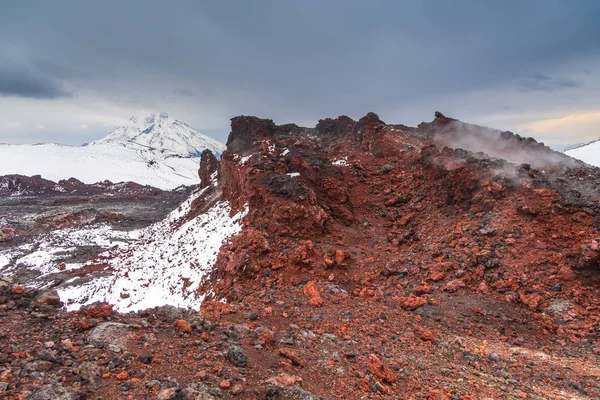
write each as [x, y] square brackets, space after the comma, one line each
[109, 334]
[246, 130]
[209, 168]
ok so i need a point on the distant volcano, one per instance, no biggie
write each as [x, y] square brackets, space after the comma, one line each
[160, 131]
[157, 150]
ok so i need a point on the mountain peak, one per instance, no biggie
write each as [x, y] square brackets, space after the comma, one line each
[159, 130]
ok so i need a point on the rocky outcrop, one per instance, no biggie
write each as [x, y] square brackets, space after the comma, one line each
[374, 191]
[209, 168]
[20, 185]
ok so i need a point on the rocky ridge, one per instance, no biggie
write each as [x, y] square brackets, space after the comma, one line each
[375, 261]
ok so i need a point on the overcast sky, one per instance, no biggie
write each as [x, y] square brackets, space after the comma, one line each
[71, 71]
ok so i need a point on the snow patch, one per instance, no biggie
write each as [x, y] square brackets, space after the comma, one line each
[588, 153]
[343, 162]
[163, 267]
[245, 159]
[45, 255]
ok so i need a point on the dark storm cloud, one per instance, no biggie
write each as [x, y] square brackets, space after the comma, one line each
[309, 58]
[545, 83]
[24, 81]
[184, 92]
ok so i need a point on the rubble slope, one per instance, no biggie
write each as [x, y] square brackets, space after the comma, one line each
[372, 261]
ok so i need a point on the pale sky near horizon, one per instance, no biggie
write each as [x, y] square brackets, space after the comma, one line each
[71, 71]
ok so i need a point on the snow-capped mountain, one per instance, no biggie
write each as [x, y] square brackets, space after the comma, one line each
[157, 150]
[589, 152]
[160, 131]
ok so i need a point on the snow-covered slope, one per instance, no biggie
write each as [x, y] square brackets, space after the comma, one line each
[157, 150]
[163, 264]
[116, 162]
[160, 131]
[589, 153]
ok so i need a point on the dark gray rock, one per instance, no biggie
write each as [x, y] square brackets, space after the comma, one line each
[236, 356]
[386, 168]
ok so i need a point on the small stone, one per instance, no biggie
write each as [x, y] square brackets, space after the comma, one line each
[287, 340]
[183, 326]
[109, 333]
[454, 285]
[340, 256]
[166, 394]
[98, 311]
[386, 168]
[556, 288]
[49, 297]
[152, 384]
[224, 384]
[494, 357]
[49, 344]
[236, 389]
[18, 289]
[145, 359]
[425, 335]
[89, 371]
[3, 386]
[122, 376]
[236, 356]
[44, 366]
[251, 315]
[290, 355]
[377, 368]
[412, 302]
[114, 348]
[284, 380]
[377, 387]
[311, 291]
[49, 355]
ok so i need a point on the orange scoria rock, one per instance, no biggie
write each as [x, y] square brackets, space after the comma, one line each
[377, 368]
[311, 291]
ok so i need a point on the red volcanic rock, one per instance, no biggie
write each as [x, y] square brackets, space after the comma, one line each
[98, 311]
[290, 355]
[339, 257]
[412, 302]
[454, 285]
[533, 301]
[183, 326]
[122, 376]
[209, 168]
[377, 368]
[18, 289]
[425, 335]
[312, 292]
[590, 254]
[284, 380]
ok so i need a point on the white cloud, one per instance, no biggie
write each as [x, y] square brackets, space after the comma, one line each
[582, 125]
[84, 126]
[13, 125]
[40, 126]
